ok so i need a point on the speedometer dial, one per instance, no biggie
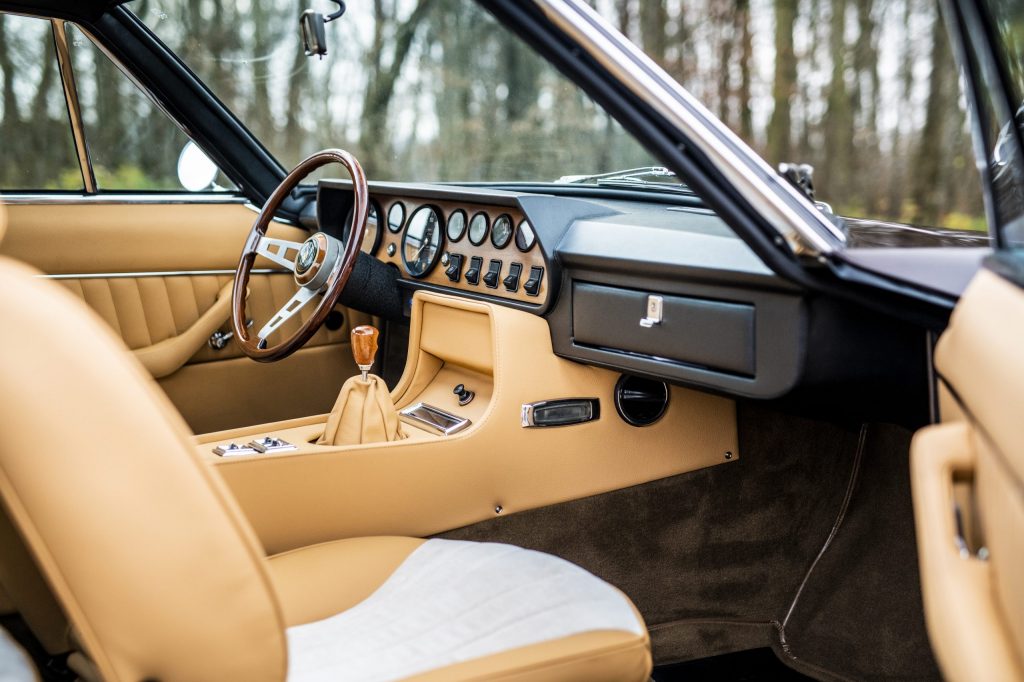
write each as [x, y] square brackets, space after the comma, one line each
[421, 243]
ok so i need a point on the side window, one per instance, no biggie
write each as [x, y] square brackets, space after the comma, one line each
[38, 147]
[133, 144]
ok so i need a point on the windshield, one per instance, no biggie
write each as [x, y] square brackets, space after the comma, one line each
[425, 90]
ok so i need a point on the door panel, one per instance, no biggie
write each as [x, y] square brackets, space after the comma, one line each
[972, 467]
[151, 271]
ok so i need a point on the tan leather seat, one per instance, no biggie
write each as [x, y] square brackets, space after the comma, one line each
[162, 577]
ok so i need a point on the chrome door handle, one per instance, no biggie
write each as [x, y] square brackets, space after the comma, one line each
[219, 340]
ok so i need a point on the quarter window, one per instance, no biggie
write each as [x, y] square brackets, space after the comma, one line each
[38, 147]
[133, 144]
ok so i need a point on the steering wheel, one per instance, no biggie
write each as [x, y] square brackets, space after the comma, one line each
[321, 264]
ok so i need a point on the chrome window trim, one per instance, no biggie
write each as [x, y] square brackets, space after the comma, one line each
[114, 197]
[67, 78]
[811, 234]
[169, 273]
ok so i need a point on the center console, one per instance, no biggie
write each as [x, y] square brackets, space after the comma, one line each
[484, 404]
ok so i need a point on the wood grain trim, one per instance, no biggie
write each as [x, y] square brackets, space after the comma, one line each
[508, 255]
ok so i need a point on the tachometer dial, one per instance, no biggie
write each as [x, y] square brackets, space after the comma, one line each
[456, 225]
[525, 236]
[421, 243]
[371, 237]
[478, 229]
[501, 232]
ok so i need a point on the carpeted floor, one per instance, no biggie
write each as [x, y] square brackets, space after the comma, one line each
[713, 559]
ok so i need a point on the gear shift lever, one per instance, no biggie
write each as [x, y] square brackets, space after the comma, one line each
[364, 347]
[364, 412]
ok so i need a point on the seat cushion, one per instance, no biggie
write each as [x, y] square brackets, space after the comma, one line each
[454, 610]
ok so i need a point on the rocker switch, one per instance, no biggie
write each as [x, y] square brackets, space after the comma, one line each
[532, 286]
[493, 272]
[476, 263]
[512, 281]
[454, 270]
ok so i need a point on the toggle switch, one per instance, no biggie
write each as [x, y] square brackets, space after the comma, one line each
[511, 282]
[493, 272]
[532, 286]
[476, 263]
[454, 270]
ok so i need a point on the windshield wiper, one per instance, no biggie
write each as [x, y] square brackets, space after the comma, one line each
[633, 178]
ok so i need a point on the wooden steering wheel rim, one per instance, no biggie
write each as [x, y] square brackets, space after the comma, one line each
[341, 271]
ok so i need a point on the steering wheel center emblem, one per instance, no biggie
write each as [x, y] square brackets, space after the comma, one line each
[307, 256]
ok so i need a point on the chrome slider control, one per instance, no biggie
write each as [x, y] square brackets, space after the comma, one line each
[271, 444]
[234, 449]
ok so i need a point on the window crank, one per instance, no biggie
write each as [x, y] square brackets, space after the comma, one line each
[219, 340]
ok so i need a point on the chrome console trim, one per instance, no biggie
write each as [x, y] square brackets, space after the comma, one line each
[435, 419]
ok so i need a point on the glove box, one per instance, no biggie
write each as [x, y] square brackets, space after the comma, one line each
[717, 335]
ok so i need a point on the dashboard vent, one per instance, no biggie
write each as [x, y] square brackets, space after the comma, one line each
[640, 402]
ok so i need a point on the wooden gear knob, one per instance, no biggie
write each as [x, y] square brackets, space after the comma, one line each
[364, 346]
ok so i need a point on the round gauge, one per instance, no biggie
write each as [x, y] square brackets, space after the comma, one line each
[478, 229]
[421, 243]
[501, 232]
[525, 236]
[396, 216]
[371, 237]
[456, 225]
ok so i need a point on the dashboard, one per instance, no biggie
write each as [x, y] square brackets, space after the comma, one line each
[650, 286]
[481, 244]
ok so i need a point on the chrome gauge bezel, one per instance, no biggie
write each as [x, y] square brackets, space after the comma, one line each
[487, 228]
[457, 216]
[414, 270]
[373, 235]
[523, 242]
[500, 241]
[391, 223]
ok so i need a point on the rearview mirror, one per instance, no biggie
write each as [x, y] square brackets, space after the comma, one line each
[196, 170]
[314, 35]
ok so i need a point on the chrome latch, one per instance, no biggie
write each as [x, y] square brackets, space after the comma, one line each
[219, 340]
[655, 310]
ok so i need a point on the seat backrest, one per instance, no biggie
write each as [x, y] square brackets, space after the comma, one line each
[158, 571]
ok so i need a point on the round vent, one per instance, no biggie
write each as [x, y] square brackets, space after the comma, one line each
[640, 402]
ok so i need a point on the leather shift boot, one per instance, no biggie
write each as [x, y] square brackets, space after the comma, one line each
[363, 413]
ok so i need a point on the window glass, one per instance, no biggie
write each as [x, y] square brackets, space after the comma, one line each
[38, 147]
[865, 91]
[1006, 162]
[133, 144]
[432, 90]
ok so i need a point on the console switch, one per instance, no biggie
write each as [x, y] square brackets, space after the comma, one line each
[454, 270]
[476, 263]
[532, 286]
[493, 272]
[512, 281]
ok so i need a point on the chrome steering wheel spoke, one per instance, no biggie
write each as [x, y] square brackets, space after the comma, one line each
[277, 250]
[301, 297]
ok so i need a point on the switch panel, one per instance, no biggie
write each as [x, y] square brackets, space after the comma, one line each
[511, 282]
[454, 269]
[493, 273]
[476, 264]
[532, 286]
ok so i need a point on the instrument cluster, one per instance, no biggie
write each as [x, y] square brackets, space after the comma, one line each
[472, 247]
